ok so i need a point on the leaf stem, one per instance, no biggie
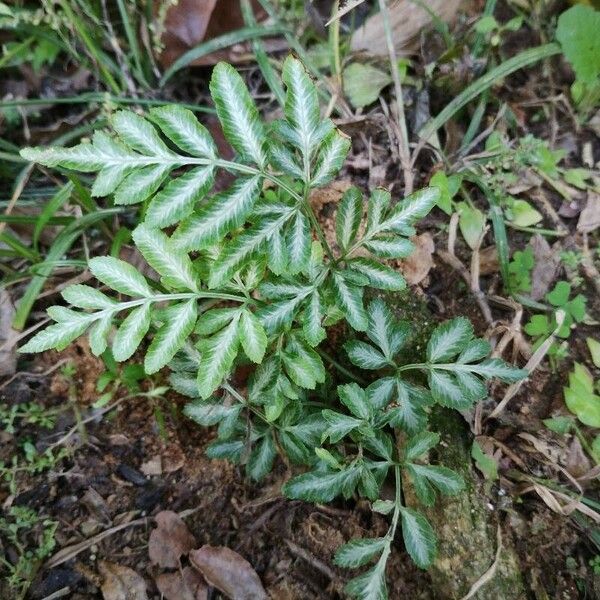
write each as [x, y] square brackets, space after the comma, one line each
[165, 298]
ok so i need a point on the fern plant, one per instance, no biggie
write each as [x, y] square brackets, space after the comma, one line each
[247, 276]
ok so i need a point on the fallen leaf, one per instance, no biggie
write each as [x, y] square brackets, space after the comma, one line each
[170, 540]
[152, 467]
[121, 583]
[488, 261]
[190, 22]
[173, 458]
[8, 345]
[417, 266]
[228, 572]
[589, 219]
[546, 265]
[185, 585]
[406, 19]
[577, 463]
[363, 83]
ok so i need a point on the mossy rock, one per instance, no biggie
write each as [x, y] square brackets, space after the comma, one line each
[465, 526]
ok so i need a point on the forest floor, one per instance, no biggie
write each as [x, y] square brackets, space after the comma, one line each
[91, 455]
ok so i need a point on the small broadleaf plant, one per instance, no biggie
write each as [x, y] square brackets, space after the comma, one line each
[247, 276]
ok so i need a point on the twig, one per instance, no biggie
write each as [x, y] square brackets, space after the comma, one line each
[21, 182]
[310, 559]
[532, 364]
[489, 574]
[403, 146]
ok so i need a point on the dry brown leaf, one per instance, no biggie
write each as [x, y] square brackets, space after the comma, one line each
[185, 585]
[589, 219]
[153, 466]
[8, 336]
[488, 261]
[545, 268]
[190, 22]
[121, 583]
[417, 266]
[228, 572]
[170, 540]
[407, 19]
[577, 463]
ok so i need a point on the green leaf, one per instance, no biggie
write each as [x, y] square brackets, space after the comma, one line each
[486, 464]
[58, 336]
[242, 248]
[348, 217]
[318, 486]
[350, 299]
[355, 399]
[409, 413]
[178, 323]
[216, 358]
[381, 391]
[381, 328]
[410, 210]
[339, 425]
[238, 114]
[390, 247]
[594, 348]
[284, 160]
[471, 223]
[208, 414]
[303, 364]
[475, 350]
[448, 339]
[277, 314]
[260, 461]
[184, 383]
[215, 319]
[173, 265]
[298, 243]
[419, 537]
[559, 296]
[420, 443]
[496, 367]
[131, 332]
[301, 106]
[363, 355]
[264, 379]
[98, 335]
[141, 184]
[577, 32]
[252, 336]
[363, 84]
[580, 397]
[84, 296]
[177, 199]
[446, 391]
[379, 202]
[313, 316]
[380, 276]
[445, 480]
[182, 127]
[370, 585]
[139, 134]
[561, 424]
[524, 215]
[119, 276]
[220, 215]
[331, 158]
[226, 449]
[359, 552]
